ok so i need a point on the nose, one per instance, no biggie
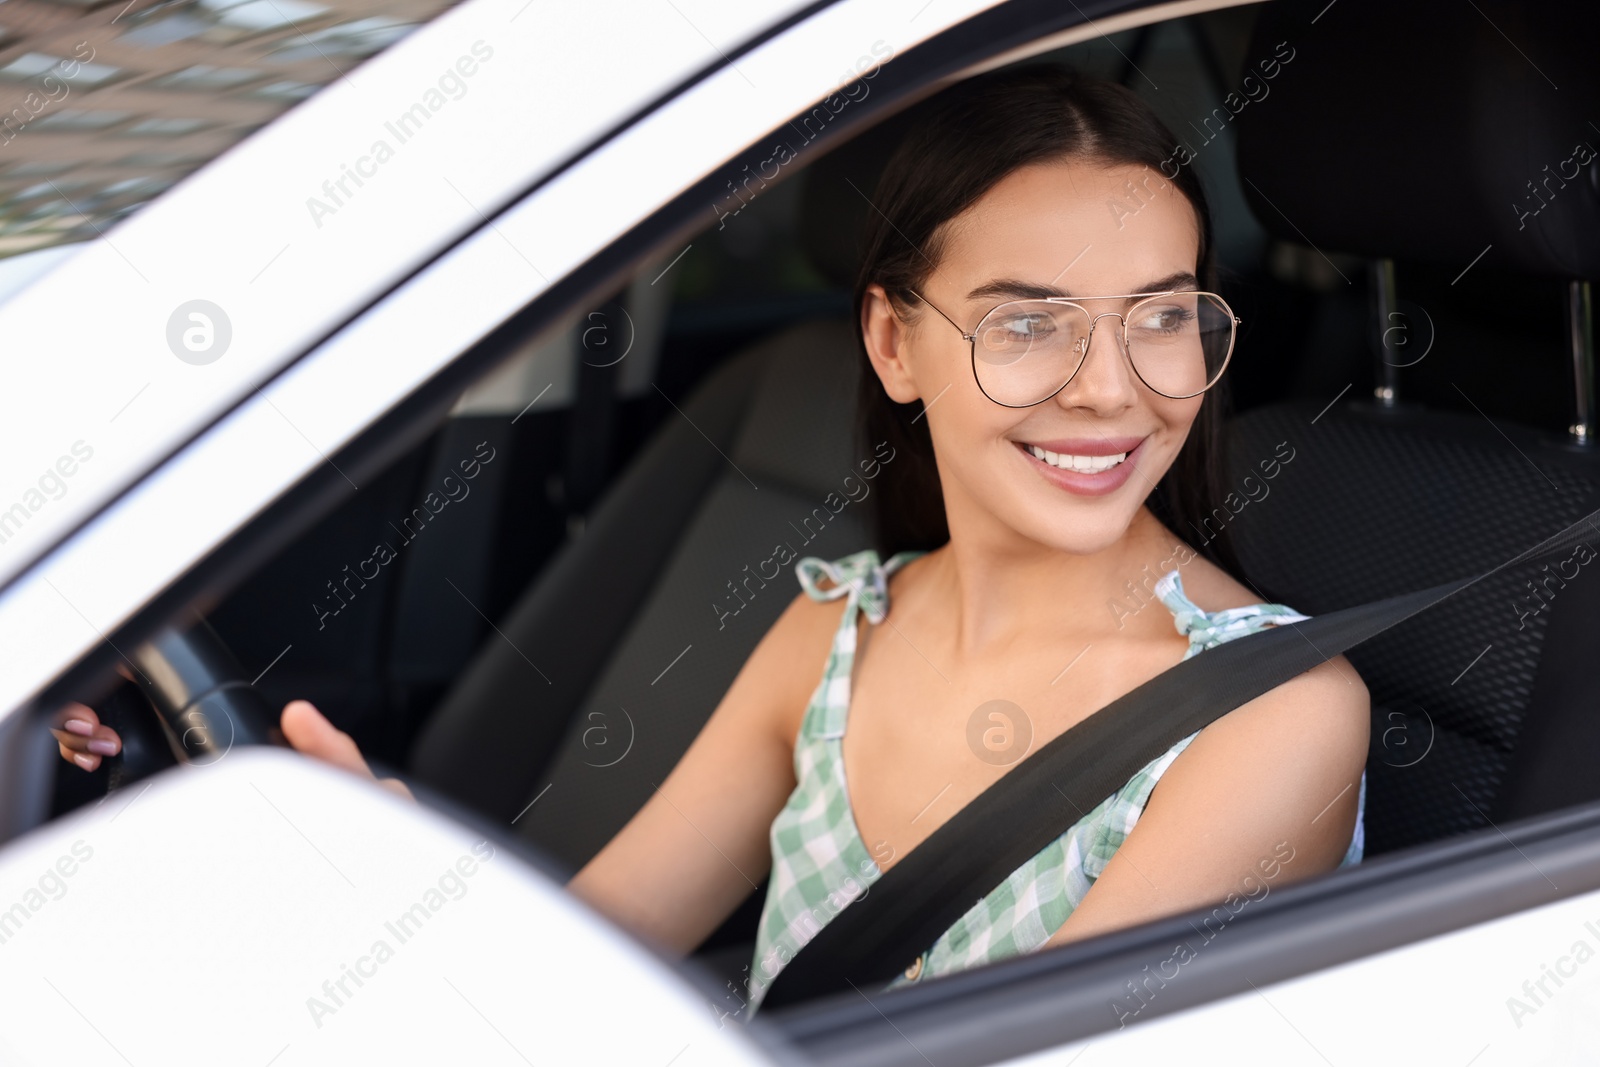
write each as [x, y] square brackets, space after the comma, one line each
[1104, 382]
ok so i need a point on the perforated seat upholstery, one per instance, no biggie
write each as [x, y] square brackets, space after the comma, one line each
[1372, 505]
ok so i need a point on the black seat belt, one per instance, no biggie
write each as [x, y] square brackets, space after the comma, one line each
[918, 899]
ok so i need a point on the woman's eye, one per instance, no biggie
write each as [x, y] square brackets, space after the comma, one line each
[1027, 327]
[1164, 319]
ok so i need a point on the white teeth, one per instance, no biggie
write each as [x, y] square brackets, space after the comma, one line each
[1085, 464]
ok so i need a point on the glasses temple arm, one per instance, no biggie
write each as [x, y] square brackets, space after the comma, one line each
[964, 334]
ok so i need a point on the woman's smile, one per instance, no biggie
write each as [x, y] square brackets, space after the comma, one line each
[1085, 466]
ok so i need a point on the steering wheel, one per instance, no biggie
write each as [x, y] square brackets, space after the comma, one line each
[202, 703]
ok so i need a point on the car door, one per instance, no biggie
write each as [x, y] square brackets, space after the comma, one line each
[321, 396]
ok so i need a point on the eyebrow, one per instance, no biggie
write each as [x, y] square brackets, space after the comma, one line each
[1020, 290]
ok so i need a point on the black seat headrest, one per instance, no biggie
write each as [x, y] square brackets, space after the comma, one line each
[1427, 130]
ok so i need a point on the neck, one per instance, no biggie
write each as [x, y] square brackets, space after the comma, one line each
[1004, 585]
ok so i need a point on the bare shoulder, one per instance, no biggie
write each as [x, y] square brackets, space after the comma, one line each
[789, 661]
[806, 624]
[1291, 758]
[1326, 709]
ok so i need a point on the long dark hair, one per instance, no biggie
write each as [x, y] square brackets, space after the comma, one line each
[963, 143]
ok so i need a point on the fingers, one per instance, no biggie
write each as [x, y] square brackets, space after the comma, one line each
[84, 741]
[397, 787]
[87, 760]
[81, 737]
[75, 718]
[309, 731]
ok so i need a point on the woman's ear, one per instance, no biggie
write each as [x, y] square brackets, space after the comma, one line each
[884, 336]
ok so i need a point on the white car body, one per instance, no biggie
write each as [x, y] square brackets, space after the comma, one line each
[556, 151]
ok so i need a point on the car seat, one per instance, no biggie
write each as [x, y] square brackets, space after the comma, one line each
[1425, 133]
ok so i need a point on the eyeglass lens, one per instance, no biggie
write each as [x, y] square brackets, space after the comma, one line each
[1024, 351]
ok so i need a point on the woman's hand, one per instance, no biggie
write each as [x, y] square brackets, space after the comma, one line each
[84, 740]
[81, 737]
[312, 734]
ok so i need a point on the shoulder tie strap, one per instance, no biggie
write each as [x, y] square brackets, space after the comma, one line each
[865, 584]
[860, 577]
[1207, 629]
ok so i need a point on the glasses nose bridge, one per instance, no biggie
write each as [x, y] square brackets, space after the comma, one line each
[1094, 320]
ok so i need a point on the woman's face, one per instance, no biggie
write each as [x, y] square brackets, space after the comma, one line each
[1074, 229]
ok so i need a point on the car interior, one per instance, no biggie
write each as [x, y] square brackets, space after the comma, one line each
[547, 635]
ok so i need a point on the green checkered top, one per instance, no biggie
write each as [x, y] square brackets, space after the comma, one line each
[820, 863]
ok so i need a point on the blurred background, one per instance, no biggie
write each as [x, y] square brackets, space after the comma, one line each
[105, 105]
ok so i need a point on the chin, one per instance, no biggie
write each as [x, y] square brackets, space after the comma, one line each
[1082, 531]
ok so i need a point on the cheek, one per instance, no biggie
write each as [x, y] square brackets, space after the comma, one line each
[935, 358]
[970, 439]
[958, 415]
[1178, 416]
[966, 426]
[1178, 419]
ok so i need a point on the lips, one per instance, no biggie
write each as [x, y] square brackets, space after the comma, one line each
[1084, 466]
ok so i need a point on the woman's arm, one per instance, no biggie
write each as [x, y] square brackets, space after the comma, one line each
[1266, 795]
[699, 846]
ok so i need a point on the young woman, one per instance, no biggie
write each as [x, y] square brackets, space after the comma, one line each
[1040, 344]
